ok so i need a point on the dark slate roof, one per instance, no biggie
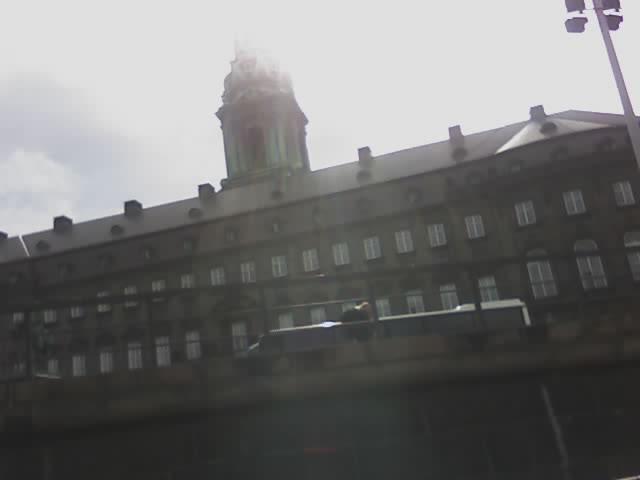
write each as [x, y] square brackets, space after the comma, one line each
[250, 197]
[12, 249]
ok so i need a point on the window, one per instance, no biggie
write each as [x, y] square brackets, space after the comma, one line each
[348, 306]
[310, 260]
[573, 202]
[76, 311]
[163, 352]
[239, 336]
[279, 266]
[318, 315]
[488, 289]
[217, 276]
[541, 276]
[187, 280]
[17, 318]
[341, 253]
[106, 360]
[449, 296]
[148, 253]
[130, 290]
[372, 248]
[632, 240]
[525, 213]
[248, 272]
[590, 266]
[623, 193]
[189, 244]
[437, 235]
[383, 306]
[404, 241]
[158, 286]
[415, 302]
[49, 317]
[194, 349]
[53, 367]
[285, 320]
[103, 307]
[134, 355]
[78, 365]
[475, 227]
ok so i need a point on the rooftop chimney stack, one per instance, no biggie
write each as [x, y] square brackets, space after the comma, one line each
[62, 224]
[132, 209]
[455, 135]
[537, 113]
[364, 155]
[206, 192]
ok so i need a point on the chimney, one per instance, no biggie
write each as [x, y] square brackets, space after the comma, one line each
[537, 113]
[3, 236]
[62, 224]
[132, 208]
[206, 191]
[364, 155]
[455, 135]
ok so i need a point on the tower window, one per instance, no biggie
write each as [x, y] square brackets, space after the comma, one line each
[255, 139]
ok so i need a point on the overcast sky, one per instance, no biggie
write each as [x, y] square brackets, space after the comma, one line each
[101, 102]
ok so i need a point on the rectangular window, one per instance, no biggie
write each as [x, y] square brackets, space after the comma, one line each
[623, 193]
[341, 254]
[383, 306]
[134, 355]
[525, 213]
[248, 272]
[49, 317]
[78, 365]
[17, 318]
[573, 202]
[415, 302]
[76, 311]
[187, 280]
[53, 367]
[404, 241]
[194, 349]
[591, 272]
[475, 226]
[218, 276]
[285, 320]
[103, 307]
[106, 360]
[239, 336]
[449, 296]
[158, 286]
[488, 289]
[348, 306]
[130, 290]
[279, 266]
[541, 278]
[372, 248]
[163, 352]
[310, 261]
[634, 265]
[437, 235]
[318, 315]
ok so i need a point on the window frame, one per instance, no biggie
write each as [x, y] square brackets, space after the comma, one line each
[487, 286]
[624, 197]
[449, 296]
[475, 226]
[437, 234]
[310, 260]
[340, 252]
[372, 248]
[415, 297]
[248, 271]
[571, 206]
[279, 267]
[525, 213]
[404, 241]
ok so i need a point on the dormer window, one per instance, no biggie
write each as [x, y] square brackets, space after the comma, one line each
[195, 213]
[43, 246]
[117, 230]
[148, 253]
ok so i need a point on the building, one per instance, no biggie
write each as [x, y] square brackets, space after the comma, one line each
[543, 210]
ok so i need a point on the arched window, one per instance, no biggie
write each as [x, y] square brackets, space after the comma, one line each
[632, 240]
[589, 266]
[540, 275]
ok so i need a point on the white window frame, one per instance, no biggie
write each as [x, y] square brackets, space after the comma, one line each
[187, 280]
[17, 318]
[488, 289]
[239, 336]
[76, 311]
[78, 365]
[130, 290]
[310, 260]
[279, 267]
[383, 307]
[317, 315]
[341, 254]
[49, 316]
[590, 268]
[217, 276]
[525, 213]
[106, 360]
[193, 345]
[623, 193]
[372, 248]
[415, 301]
[449, 296]
[285, 320]
[163, 351]
[437, 235]
[53, 366]
[134, 355]
[103, 307]
[475, 226]
[248, 272]
[157, 286]
[404, 241]
[574, 202]
[632, 241]
[348, 306]
[541, 278]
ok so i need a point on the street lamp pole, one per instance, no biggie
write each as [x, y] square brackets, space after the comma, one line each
[632, 122]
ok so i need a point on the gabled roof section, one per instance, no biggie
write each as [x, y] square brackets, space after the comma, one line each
[12, 249]
[303, 186]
